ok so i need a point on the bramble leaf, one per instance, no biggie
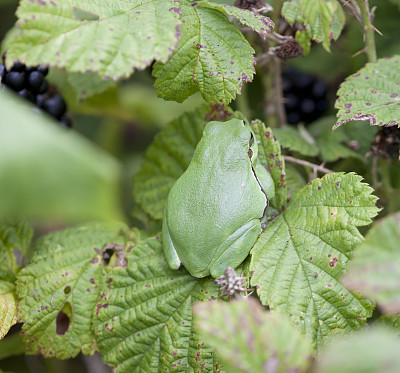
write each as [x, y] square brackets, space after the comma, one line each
[213, 57]
[77, 87]
[298, 259]
[8, 307]
[59, 289]
[269, 155]
[324, 19]
[297, 140]
[49, 173]
[14, 235]
[257, 22]
[249, 339]
[371, 350]
[373, 94]
[143, 321]
[111, 39]
[166, 159]
[375, 269]
[295, 180]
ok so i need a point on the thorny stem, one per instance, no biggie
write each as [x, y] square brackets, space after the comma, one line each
[269, 107]
[354, 10]
[315, 167]
[368, 30]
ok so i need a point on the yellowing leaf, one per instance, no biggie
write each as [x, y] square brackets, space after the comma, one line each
[8, 307]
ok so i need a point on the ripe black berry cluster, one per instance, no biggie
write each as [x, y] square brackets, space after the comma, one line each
[30, 83]
[305, 96]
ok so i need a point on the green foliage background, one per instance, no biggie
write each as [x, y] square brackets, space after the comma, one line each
[129, 145]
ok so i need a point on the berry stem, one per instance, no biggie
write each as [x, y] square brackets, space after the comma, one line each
[368, 30]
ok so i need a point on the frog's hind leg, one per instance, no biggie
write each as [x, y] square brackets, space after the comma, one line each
[234, 250]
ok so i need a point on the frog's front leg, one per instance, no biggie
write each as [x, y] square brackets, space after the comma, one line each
[169, 249]
[236, 247]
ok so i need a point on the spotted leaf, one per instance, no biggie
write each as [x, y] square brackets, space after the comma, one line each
[372, 94]
[107, 37]
[298, 259]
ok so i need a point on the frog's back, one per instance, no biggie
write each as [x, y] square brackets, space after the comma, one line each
[214, 196]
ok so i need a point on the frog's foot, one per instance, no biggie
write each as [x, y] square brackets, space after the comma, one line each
[236, 248]
[169, 249]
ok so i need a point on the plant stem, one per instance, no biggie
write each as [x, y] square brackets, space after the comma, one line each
[315, 167]
[368, 30]
[280, 109]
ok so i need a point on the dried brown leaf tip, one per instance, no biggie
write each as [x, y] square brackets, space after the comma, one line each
[386, 143]
[114, 255]
[230, 284]
[289, 49]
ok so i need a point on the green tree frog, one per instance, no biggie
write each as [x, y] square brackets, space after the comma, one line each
[215, 210]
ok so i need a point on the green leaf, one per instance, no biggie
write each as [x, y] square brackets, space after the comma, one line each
[304, 39]
[248, 339]
[298, 259]
[77, 87]
[375, 269]
[298, 140]
[166, 159]
[8, 307]
[15, 235]
[144, 319]
[98, 35]
[216, 63]
[49, 173]
[324, 19]
[370, 351]
[271, 158]
[294, 179]
[371, 94]
[291, 11]
[257, 22]
[335, 145]
[60, 287]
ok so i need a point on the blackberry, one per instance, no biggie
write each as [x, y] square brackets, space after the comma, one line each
[18, 67]
[43, 87]
[65, 122]
[15, 80]
[40, 100]
[2, 72]
[55, 106]
[27, 95]
[35, 80]
[30, 83]
[43, 70]
[305, 96]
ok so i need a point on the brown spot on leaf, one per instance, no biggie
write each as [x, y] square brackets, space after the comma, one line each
[116, 250]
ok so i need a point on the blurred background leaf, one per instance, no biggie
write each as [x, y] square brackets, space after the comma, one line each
[49, 173]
